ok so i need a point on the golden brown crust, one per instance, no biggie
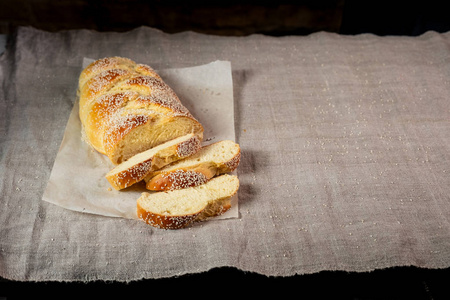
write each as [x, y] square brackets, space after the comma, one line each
[100, 84]
[178, 209]
[181, 178]
[132, 175]
[102, 110]
[104, 64]
[165, 222]
[178, 222]
[230, 165]
[136, 170]
[118, 129]
[118, 96]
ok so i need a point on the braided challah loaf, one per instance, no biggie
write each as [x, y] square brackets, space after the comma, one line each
[129, 114]
[126, 108]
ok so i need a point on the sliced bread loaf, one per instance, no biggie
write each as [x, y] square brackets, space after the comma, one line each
[137, 167]
[178, 208]
[212, 160]
[126, 108]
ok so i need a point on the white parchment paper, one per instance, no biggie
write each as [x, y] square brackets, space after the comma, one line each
[77, 180]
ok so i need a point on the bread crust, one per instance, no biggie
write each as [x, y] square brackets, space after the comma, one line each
[180, 178]
[162, 209]
[178, 222]
[163, 221]
[121, 101]
[132, 175]
[121, 178]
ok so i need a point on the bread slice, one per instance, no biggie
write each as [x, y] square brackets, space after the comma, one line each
[212, 160]
[138, 166]
[178, 208]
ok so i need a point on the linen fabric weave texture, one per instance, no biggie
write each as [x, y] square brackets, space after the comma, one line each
[345, 157]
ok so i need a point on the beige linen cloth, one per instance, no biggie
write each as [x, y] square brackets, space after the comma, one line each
[345, 157]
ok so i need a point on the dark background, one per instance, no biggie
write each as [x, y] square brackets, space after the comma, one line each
[241, 18]
[230, 17]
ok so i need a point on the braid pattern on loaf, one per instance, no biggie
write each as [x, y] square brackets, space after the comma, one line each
[102, 112]
[135, 95]
[119, 126]
[105, 79]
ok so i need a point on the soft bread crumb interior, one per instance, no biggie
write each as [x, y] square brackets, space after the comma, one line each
[190, 200]
[150, 135]
[219, 152]
[148, 154]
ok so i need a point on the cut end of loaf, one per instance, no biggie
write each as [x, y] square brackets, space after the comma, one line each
[132, 136]
[178, 208]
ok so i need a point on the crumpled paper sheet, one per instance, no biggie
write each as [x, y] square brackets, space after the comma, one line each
[77, 181]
